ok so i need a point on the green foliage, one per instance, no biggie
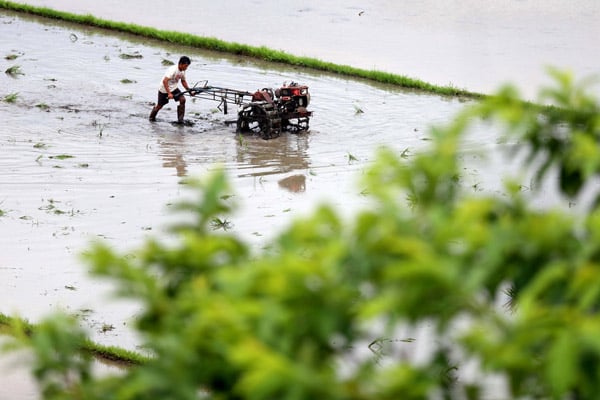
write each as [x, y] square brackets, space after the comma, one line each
[13, 71]
[60, 366]
[11, 98]
[563, 136]
[309, 317]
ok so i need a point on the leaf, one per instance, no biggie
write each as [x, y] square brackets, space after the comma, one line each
[562, 363]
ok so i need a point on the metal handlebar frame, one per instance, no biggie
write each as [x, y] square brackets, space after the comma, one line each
[220, 94]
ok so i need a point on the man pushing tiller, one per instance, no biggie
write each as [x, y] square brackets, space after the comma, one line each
[169, 89]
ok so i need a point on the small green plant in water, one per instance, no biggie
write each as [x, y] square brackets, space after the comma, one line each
[99, 126]
[61, 157]
[242, 141]
[218, 223]
[14, 71]
[11, 98]
[126, 56]
[351, 158]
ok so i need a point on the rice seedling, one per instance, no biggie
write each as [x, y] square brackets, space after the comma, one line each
[14, 71]
[167, 63]
[107, 328]
[11, 98]
[242, 141]
[127, 56]
[61, 157]
[100, 127]
[11, 57]
[218, 223]
[127, 81]
[351, 158]
[43, 106]
[48, 207]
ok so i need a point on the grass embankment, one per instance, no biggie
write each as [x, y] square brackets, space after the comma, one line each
[11, 325]
[262, 53]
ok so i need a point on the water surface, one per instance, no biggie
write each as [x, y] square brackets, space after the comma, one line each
[473, 44]
[80, 162]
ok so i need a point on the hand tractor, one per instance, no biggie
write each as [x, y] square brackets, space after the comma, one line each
[265, 112]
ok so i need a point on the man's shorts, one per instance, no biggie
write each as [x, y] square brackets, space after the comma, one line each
[163, 98]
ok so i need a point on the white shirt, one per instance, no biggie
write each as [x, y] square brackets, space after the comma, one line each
[174, 75]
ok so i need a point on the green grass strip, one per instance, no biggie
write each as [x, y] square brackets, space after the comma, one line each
[100, 352]
[262, 53]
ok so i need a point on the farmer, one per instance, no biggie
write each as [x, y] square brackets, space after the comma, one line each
[168, 89]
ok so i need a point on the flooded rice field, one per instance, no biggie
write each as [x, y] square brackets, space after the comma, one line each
[81, 162]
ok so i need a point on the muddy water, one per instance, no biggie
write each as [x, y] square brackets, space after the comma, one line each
[80, 161]
[472, 44]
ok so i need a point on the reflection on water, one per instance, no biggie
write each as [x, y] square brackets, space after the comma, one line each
[257, 157]
[294, 183]
[171, 152]
[254, 157]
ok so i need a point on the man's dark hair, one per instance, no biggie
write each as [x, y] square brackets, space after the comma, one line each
[185, 60]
